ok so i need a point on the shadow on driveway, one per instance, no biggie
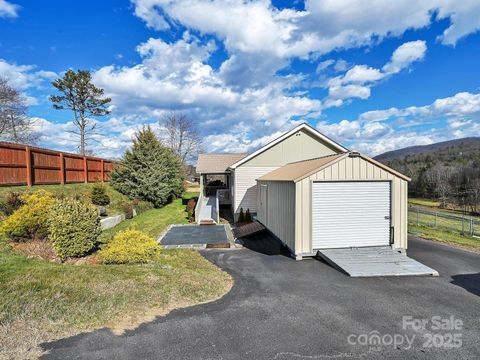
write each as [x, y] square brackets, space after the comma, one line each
[470, 282]
[265, 243]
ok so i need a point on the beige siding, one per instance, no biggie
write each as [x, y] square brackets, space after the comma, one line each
[300, 146]
[278, 213]
[245, 184]
[350, 169]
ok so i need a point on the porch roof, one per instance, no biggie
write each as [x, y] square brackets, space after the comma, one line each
[216, 163]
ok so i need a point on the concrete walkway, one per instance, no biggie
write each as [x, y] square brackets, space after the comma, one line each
[207, 211]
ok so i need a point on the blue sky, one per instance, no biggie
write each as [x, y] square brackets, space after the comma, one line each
[374, 76]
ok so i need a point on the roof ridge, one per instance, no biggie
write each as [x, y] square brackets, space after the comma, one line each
[223, 154]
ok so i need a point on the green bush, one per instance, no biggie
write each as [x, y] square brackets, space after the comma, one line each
[149, 171]
[99, 195]
[30, 220]
[73, 227]
[141, 206]
[241, 216]
[130, 247]
[248, 216]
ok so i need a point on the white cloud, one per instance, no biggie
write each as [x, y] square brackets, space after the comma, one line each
[24, 76]
[404, 55]
[372, 132]
[257, 26]
[8, 9]
[176, 76]
[358, 80]
[362, 74]
[349, 91]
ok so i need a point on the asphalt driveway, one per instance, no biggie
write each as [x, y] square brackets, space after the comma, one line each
[280, 308]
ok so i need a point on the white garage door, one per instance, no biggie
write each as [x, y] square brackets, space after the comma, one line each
[350, 214]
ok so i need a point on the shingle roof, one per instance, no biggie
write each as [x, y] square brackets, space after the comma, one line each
[296, 170]
[216, 163]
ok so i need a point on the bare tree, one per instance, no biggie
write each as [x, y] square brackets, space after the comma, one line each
[84, 99]
[439, 179]
[181, 135]
[14, 124]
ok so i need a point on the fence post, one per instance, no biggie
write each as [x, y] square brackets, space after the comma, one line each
[103, 170]
[418, 223]
[85, 169]
[62, 169]
[471, 227]
[28, 162]
[463, 224]
[435, 219]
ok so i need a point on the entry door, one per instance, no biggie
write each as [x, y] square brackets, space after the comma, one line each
[262, 210]
[350, 214]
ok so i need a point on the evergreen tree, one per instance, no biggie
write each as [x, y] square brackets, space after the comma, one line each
[149, 171]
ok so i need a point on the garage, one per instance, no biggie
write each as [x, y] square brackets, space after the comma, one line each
[335, 202]
[350, 214]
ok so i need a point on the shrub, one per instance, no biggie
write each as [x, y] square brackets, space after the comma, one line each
[191, 209]
[99, 195]
[248, 216]
[30, 220]
[141, 206]
[11, 203]
[74, 228]
[130, 247]
[149, 171]
[241, 216]
[127, 208]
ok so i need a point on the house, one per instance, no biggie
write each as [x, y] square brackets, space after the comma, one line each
[311, 193]
[235, 175]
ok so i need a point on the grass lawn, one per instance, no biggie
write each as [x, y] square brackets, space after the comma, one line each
[446, 237]
[71, 190]
[42, 301]
[423, 202]
[154, 221]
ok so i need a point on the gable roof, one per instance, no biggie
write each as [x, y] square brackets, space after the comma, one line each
[216, 163]
[300, 170]
[303, 126]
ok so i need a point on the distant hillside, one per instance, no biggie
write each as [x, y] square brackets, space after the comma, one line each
[448, 171]
[447, 152]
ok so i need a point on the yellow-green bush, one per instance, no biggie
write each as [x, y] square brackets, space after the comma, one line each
[130, 247]
[30, 220]
[73, 228]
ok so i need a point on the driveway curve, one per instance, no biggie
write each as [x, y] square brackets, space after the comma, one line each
[280, 308]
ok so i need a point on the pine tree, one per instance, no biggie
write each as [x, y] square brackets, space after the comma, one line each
[149, 171]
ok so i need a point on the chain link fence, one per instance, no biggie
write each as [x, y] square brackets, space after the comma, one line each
[462, 224]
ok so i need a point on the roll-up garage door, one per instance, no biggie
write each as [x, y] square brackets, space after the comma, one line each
[350, 214]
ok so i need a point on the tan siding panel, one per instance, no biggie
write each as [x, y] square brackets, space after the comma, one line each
[246, 187]
[299, 146]
[355, 169]
[280, 210]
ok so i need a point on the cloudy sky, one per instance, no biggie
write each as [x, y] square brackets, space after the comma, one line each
[374, 75]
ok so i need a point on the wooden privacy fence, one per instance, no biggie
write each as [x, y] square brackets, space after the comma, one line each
[25, 165]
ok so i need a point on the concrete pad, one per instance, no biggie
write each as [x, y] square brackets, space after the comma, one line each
[374, 261]
[195, 236]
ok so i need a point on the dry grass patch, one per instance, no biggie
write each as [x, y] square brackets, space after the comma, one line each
[43, 301]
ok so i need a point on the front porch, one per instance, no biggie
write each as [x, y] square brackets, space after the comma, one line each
[217, 185]
[215, 191]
